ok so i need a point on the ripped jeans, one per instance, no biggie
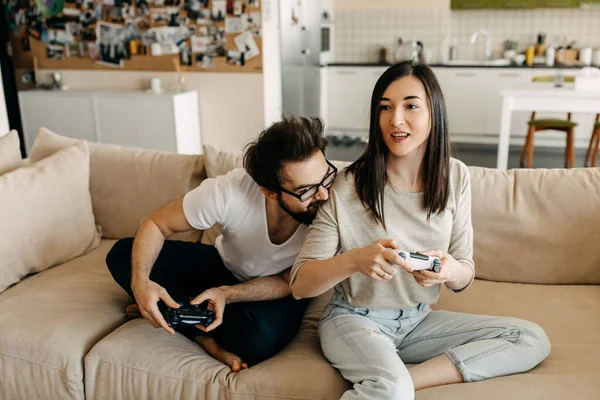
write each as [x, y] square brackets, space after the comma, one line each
[371, 346]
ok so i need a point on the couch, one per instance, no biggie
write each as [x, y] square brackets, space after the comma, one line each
[64, 334]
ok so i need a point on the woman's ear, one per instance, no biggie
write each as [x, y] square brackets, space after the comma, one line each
[269, 194]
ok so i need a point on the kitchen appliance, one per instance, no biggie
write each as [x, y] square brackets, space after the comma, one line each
[306, 35]
[409, 50]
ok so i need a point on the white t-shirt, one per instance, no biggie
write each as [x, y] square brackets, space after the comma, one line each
[236, 202]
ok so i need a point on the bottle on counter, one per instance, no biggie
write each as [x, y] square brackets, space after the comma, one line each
[550, 54]
[529, 54]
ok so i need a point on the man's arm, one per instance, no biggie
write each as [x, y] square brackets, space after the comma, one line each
[258, 289]
[147, 244]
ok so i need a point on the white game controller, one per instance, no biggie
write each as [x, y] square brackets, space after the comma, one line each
[420, 262]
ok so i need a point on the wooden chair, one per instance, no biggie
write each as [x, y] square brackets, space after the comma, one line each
[543, 124]
[591, 156]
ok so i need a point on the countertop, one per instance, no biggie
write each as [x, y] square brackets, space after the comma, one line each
[439, 65]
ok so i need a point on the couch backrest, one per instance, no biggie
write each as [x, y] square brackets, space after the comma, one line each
[127, 184]
[537, 225]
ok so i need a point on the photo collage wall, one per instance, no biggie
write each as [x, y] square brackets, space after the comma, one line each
[205, 35]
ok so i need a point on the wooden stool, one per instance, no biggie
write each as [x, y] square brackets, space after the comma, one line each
[535, 125]
[592, 152]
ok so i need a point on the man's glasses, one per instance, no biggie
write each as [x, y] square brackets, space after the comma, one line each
[309, 193]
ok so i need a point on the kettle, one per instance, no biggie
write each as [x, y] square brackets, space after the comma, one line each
[409, 50]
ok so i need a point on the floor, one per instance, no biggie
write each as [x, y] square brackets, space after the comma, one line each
[475, 155]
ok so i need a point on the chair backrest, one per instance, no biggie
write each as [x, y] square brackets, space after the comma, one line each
[551, 78]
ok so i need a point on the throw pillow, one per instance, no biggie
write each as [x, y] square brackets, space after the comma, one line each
[46, 214]
[10, 153]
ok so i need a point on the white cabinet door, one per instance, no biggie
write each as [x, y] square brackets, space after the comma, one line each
[348, 100]
[136, 121]
[67, 114]
[505, 79]
[465, 93]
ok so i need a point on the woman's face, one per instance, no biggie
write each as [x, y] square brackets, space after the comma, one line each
[404, 116]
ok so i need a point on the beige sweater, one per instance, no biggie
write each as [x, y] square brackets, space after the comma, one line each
[343, 224]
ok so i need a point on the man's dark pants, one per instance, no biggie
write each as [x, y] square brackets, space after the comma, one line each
[255, 331]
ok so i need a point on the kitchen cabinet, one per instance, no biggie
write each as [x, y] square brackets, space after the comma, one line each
[472, 98]
[516, 4]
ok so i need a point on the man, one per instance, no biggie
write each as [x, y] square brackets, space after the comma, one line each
[264, 210]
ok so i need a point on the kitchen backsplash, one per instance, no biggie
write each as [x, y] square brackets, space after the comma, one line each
[360, 34]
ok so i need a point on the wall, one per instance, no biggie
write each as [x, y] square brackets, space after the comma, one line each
[361, 28]
[231, 104]
[3, 113]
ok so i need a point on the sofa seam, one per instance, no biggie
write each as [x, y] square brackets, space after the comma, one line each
[70, 376]
[206, 384]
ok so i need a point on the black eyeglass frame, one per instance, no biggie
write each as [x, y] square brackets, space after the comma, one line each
[318, 185]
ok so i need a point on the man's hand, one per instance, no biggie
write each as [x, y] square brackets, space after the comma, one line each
[217, 299]
[147, 294]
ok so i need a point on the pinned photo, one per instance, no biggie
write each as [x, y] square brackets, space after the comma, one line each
[55, 52]
[203, 61]
[233, 25]
[203, 17]
[246, 44]
[254, 3]
[185, 56]
[111, 40]
[235, 58]
[251, 21]
[218, 10]
[93, 51]
[200, 44]
[74, 50]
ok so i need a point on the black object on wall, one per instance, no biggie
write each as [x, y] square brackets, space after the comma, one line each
[8, 80]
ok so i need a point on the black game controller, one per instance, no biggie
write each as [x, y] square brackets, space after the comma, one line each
[189, 315]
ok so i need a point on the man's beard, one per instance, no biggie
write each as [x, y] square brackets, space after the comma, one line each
[304, 217]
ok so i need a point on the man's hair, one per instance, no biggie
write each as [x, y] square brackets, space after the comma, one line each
[293, 139]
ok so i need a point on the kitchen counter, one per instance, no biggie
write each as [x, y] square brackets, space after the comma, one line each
[439, 65]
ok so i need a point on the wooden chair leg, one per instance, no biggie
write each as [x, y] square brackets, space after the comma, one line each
[528, 143]
[570, 150]
[572, 153]
[590, 149]
[530, 149]
[595, 154]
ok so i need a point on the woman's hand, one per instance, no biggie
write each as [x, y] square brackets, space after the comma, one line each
[378, 260]
[450, 270]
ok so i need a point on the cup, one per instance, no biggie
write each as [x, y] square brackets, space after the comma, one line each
[155, 85]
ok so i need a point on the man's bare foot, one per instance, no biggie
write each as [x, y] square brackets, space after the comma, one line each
[133, 311]
[217, 352]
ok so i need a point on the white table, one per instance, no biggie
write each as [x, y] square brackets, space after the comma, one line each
[553, 100]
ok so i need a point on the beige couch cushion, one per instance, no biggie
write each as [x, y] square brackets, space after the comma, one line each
[49, 322]
[10, 153]
[144, 363]
[568, 314]
[46, 214]
[127, 184]
[537, 226]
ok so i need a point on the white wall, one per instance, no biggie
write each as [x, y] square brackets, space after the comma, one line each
[231, 104]
[3, 112]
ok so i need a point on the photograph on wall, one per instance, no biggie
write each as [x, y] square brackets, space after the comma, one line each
[233, 25]
[254, 3]
[111, 41]
[200, 44]
[218, 10]
[246, 44]
[185, 55]
[55, 52]
[203, 17]
[203, 61]
[250, 21]
[235, 58]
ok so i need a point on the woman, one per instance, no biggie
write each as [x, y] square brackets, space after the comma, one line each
[406, 193]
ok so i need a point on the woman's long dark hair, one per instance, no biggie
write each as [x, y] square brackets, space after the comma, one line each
[370, 174]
